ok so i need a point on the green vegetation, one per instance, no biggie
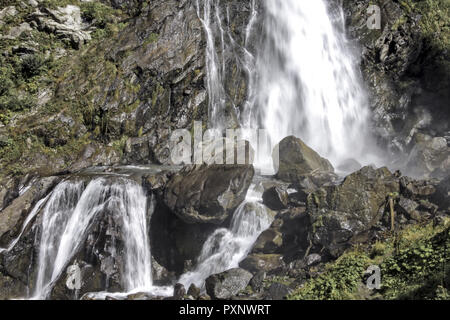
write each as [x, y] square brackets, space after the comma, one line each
[415, 264]
[435, 19]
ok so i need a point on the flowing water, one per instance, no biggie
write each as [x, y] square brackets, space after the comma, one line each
[68, 216]
[225, 248]
[303, 80]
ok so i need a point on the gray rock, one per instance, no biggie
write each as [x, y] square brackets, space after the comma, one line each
[257, 282]
[227, 284]
[276, 198]
[295, 159]
[277, 291]
[262, 262]
[340, 212]
[313, 259]
[207, 194]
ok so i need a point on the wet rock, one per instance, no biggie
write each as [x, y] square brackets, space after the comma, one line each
[257, 282]
[269, 241]
[12, 216]
[179, 291]
[277, 291]
[340, 212]
[296, 159]
[227, 284]
[194, 291]
[11, 288]
[161, 276]
[262, 262]
[207, 194]
[276, 198]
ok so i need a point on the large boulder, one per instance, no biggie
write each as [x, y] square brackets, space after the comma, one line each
[340, 212]
[227, 284]
[268, 263]
[208, 194]
[295, 159]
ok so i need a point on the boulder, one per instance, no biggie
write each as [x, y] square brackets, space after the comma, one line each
[208, 194]
[194, 291]
[295, 159]
[179, 291]
[276, 198]
[277, 291]
[269, 241]
[262, 262]
[340, 212]
[257, 282]
[408, 208]
[227, 284]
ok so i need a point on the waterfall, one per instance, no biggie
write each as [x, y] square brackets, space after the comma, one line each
[225, 248]
[303, 79]
[68, 216]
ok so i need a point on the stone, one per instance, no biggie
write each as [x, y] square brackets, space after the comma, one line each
[277, 291]
[66, 23]
[408, 207]
[179, 291]
[194, 291]
[276, 198]
[262, 262]
[208, 194]
[295, 159]
[340, 212]
[6, 12]
[227, 284]
[269, 241]
[257, 282]
[312, 259]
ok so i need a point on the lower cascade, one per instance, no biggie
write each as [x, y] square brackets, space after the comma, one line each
[68, 216]
[225, 248]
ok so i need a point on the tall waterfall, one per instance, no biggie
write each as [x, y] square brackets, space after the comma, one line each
[225, 248]
[68, 216]
[303, 79]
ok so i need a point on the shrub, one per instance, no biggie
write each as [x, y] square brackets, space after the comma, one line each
[32, 65]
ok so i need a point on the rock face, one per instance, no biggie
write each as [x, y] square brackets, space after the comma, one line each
[405, 65]
[296, 159]
[208, 194]
[17, 211]
[227, 284]
[65, 23]
[340, 212]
